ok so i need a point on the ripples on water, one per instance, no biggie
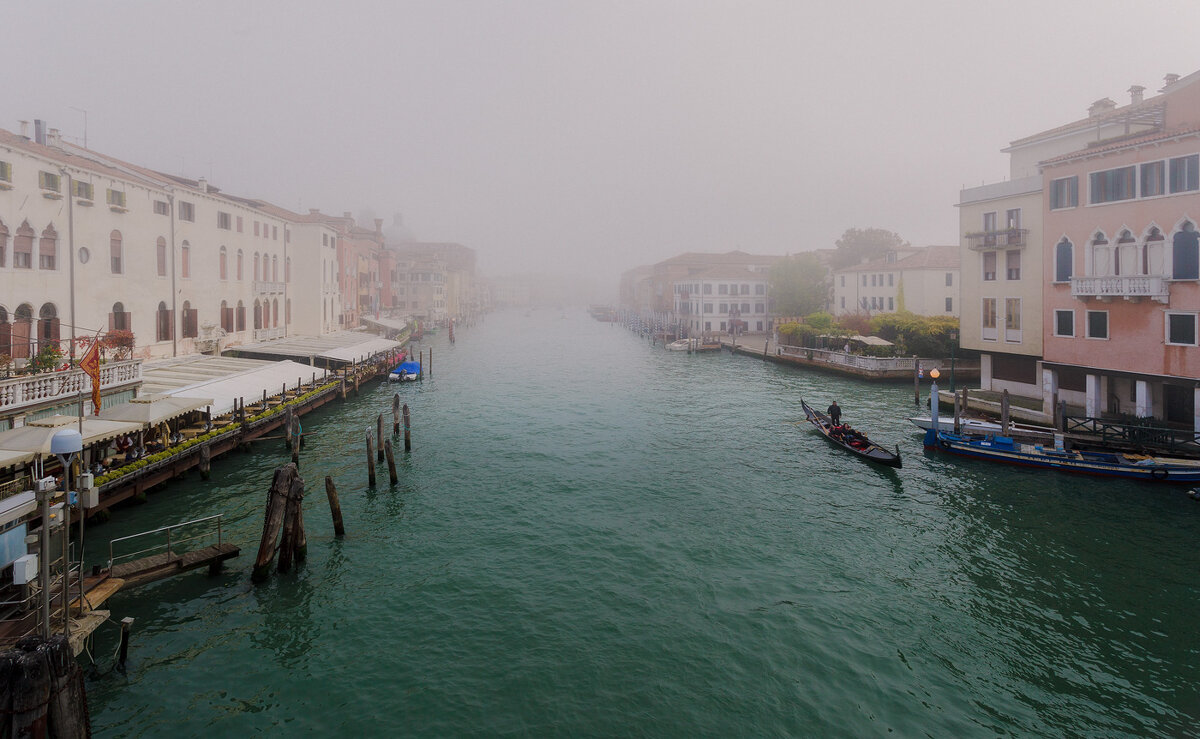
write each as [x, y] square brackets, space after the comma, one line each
[593, 536]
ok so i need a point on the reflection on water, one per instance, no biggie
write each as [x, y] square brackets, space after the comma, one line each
[596, 536]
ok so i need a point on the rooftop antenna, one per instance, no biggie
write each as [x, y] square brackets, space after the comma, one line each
[81, 110]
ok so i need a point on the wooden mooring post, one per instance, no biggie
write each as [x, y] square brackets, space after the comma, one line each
[957, 413]
[391, 462]
[297, 439]
[283, 511]
[1004, 413]
[370, 461]
[407, 431]
[917, 381]
[205, 463]
[379, 435]
[335, 507]
[395, 414]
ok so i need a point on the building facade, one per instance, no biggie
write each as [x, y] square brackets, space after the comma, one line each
[924, 281]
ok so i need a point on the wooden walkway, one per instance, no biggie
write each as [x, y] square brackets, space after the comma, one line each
[158, 566]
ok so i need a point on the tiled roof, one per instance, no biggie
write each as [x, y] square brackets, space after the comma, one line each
[929, 257]
[724, 272]
[79, 161]
[1125, 143]
[729, 257]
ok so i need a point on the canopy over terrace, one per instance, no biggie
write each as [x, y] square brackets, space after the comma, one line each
[342, 347]
[154, 409]
[34, 437]
[225, 379]
[10, 460]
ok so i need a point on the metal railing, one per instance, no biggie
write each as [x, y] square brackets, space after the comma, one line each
[266, 334]
[19, 485]
[263, 287]
[852, 360]
[166, 547]
[1141, 433]
[1001, 238]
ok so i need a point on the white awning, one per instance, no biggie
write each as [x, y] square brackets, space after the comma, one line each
[10, 459]
[362, 350]
[154, 409]
[871, 341]
[249, 385]
[35, 436]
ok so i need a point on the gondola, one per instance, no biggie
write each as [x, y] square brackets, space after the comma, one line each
[851, 440]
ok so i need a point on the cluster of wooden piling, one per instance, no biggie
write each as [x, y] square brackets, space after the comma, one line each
[284, 511]
[42, 692]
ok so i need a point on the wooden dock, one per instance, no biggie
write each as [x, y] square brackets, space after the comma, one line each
[166, 564]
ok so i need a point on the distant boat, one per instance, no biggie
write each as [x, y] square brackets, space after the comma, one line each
[682, 345]
[997, 448]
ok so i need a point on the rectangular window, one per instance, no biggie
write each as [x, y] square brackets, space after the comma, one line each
[116, 197]
[1064, 192]
[949, 304]
[1064, 323]
[873, 282]
[256, 228]
[1185, 173]
[48, 181]
[5, 172]
[989, 222]
[891, 303]
[239, 224]
[1112, 185]
[83, 190]
[1012, 319]
[843, 280]
[161, 208]
[707, 289]
[187, 211]
[949, 279]
[988, 317]
[722, 289]
[891, 279]
[989, 266]
[1152, 179]
[722, 326]
[1097, 324]
[1012, 218]
[224, 221]
[1181, 329]
[843, 302]
[1012, 265]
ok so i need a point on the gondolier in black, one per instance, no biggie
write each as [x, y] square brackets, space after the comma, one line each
[835, 414]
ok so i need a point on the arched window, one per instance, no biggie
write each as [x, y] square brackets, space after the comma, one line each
[241, 316]
[1152, 255]
[114, 252]
[287, 270]
[163, 323]
[222, 264]
[239, 265]
[3, 257]
[1064, 253]
[47, 325]
[160, 255]
[275, 313]
[48, 249]
[226, 317]
[22, 332]
[5, 332]
[256, 272]
[274, 269]
[185, 259]
[119, 320]
[1102, 256]
[1125, 256]
[190, 322]
[23, 248]
[258, 316]
[1185, 253]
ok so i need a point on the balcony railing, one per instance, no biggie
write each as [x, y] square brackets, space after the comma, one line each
[1003, 239]
[266, 288]
[266, 334]
[1130, 287]
[17, 393]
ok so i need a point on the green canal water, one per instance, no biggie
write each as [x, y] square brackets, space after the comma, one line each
[595, 537]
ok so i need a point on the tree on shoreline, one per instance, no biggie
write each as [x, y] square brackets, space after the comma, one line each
[858, 244]
[798, 285]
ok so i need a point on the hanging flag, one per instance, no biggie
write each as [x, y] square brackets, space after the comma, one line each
[90, 364]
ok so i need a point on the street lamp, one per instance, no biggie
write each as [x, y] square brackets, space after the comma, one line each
[65, 445]
[933, 400]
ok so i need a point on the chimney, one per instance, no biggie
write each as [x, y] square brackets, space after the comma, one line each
[39, 131]
[54, 138]
[1135, 94]
[202, 184]
[1169, 80]
[1100, 107]
[378, 225]
[24, 129]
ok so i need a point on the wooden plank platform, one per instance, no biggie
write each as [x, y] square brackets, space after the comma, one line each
[95, 594]
[82, 628]
[158, 566]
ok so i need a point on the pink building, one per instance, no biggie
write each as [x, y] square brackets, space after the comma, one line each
[1121, 260]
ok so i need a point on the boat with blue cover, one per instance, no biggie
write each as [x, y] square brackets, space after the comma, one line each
[405, 372]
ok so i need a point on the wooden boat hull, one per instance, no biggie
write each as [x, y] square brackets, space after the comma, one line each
[871, 452]
[1006, 451]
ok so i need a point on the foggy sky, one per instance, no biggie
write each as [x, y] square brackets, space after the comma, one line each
[589, 136]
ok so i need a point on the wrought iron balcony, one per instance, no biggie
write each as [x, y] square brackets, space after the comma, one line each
[1007, 238]
[1129, 287]
[265, 287]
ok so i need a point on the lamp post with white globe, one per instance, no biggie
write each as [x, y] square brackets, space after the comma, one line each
[65, 445]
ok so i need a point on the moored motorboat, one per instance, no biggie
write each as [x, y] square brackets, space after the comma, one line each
[682, 345]
[405, 372]
[1004, 449]
[850, 439]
